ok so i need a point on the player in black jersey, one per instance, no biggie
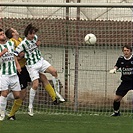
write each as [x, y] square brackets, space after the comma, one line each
[125, 64]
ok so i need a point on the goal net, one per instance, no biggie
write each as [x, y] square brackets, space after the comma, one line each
[83, 69]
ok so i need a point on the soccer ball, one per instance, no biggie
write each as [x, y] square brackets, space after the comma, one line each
[90, 39]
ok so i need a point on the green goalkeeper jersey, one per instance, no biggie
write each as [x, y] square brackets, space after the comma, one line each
[29, 47]
[8, 65]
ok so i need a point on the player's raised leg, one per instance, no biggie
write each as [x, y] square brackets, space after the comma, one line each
[49, 88]
[55, 80]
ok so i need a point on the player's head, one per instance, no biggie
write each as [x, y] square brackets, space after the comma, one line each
[30, 32]
[2, 36]
[11, 32]
[127, 50]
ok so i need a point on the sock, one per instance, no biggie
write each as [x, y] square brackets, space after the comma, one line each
[3, 103]
[56, 84]
[10, 96]
[31, 97]
[16, 105]
[50, 91]
[116, 106]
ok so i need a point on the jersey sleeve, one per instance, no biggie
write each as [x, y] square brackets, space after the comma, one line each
[118, 63]
[35, 37]
[19, 49]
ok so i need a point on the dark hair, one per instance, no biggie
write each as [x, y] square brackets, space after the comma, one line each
[128, 47]
[29, 30]
[1, 30]
[8, 33]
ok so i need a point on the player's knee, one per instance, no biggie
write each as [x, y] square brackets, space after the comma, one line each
[35, 86]
[118, 99]
[4, 93]
[54, 73]
[23, 95]
[17, 96]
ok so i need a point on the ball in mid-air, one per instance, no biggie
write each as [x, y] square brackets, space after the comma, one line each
[90, 39]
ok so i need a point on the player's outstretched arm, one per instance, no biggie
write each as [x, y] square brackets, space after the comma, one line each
[17, 64]
[113, 71]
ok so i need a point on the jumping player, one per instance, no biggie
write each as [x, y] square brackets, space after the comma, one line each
[24, 77]
[35, 63]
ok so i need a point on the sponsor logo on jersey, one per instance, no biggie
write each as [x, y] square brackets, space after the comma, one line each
[131, 62]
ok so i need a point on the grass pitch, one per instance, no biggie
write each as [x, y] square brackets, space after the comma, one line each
[59, 123]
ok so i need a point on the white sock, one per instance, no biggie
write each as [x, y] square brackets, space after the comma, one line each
[116, 111]
[31, 97]
[56, 84]
[3, 103]
[10, 96]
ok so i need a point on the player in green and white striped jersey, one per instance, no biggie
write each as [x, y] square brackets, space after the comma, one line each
[3, 50]
[9, 78]
[35, 63]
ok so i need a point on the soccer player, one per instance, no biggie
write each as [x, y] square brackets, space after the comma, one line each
[125, 63]
[2, 53]
[9, 78]
[35, 63]
[24, 77]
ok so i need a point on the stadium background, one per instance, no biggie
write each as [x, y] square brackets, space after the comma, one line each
[83, 70]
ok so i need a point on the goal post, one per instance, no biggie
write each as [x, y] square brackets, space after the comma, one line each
[83, 69]
[95, 5]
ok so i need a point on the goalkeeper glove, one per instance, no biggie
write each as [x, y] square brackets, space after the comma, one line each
[112, 71]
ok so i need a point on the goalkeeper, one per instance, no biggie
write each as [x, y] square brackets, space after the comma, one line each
[125, 63]
[24, 77]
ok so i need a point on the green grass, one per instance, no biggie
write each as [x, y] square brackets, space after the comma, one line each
[59, 123]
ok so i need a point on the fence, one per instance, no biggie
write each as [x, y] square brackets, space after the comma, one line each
[83, 69]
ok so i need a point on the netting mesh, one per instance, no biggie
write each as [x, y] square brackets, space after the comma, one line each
[62, 32]
[83, 69]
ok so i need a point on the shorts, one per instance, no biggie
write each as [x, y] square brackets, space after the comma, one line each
[10, 83]
[124, 87]
[34, 70]
[24, 78]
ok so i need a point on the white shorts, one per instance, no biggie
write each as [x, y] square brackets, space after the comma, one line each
[34, 70]
[10, 83]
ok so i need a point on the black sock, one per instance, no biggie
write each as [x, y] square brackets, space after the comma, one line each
[116, 105]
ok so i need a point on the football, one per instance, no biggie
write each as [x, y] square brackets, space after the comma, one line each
[90, 39]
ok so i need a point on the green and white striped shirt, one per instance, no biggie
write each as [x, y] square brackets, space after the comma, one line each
[8, 65]
[29, 47]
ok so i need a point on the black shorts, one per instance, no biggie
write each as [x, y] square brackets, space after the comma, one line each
[24, 78]
[124, 87]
